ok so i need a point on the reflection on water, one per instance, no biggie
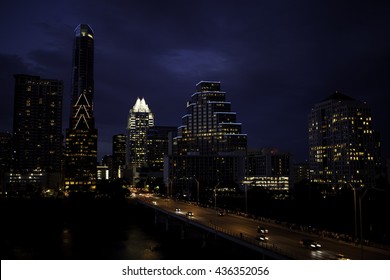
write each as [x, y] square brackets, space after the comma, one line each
[101, 230]
[32, 230]
[129, 243]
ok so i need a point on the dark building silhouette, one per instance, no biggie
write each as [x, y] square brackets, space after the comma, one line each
[81, 136]
[118, 155]
[301, 172]
[270, 169]
[37, 132]
[5, 158]
[5, 151]
[37, 124]
[157, 146]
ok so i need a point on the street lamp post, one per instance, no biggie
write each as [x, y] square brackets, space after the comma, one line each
[197, 187]
[361, 220]
[215, 196]
[359, 196]
[246, 199]
[169, 187]
[354, 204]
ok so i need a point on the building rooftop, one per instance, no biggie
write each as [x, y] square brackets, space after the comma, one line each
[338, 96]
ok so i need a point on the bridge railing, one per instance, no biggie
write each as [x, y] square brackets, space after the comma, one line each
[240, 236]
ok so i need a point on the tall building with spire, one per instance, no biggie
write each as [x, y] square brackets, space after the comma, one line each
[344, 148]
[81, 136]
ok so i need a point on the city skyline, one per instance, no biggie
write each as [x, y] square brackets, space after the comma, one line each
[272, 59]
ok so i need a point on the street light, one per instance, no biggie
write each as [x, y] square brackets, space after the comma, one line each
[197, 187]
[246, 199]
[361, 220]
[215, 196]
[360, 197]
[169, 186]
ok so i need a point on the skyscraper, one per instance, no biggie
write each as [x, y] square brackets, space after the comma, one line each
[37, 133]
[209, 148]
[210, 126]
[37, 124]
[158, 146]
[139, 120]
[81, 136]
[118, 154]
[269, 169]
[343, 145]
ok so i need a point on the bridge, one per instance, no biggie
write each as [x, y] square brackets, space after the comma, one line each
[283, 242]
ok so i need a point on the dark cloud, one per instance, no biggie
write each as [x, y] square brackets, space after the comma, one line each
[275, 59]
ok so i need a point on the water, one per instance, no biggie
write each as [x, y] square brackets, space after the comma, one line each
[60, 229]
[100, 230]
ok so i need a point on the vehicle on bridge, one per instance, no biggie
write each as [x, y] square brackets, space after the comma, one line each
[310, 244]
[262, 237]
[341, 257]
[189, 214]
[262, 230]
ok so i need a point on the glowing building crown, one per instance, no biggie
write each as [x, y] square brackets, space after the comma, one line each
[141, 106]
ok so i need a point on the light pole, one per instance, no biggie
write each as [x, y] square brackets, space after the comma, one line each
[359, 196]
[197, 187]
[361, 220]
[246, 199]
[169, 187]
[215, 196]
[354, 204]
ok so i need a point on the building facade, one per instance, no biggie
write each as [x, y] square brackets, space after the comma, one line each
[139, 120]
[269, 169]
[81, 136]
[343, 145]
[37, 131]
[158, 146]
[209, 149]
[210, 126]
[5, 159]
[118, 155]
[37, 124]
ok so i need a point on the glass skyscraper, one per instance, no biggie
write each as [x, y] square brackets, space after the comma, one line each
[81, 136]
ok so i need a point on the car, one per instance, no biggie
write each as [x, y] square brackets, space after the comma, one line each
[177, 210]
[262, 237]
[154, 202]
[310, 244]
[189, 214]
[341, 257]
[262, 230]
[221, 213]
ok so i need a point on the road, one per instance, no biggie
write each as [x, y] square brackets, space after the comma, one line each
[282, 239]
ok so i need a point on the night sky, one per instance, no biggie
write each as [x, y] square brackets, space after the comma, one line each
[274, 59]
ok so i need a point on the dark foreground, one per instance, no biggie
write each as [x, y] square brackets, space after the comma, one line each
[64, 229]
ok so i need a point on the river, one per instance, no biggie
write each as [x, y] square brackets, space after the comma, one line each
[46, 229]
